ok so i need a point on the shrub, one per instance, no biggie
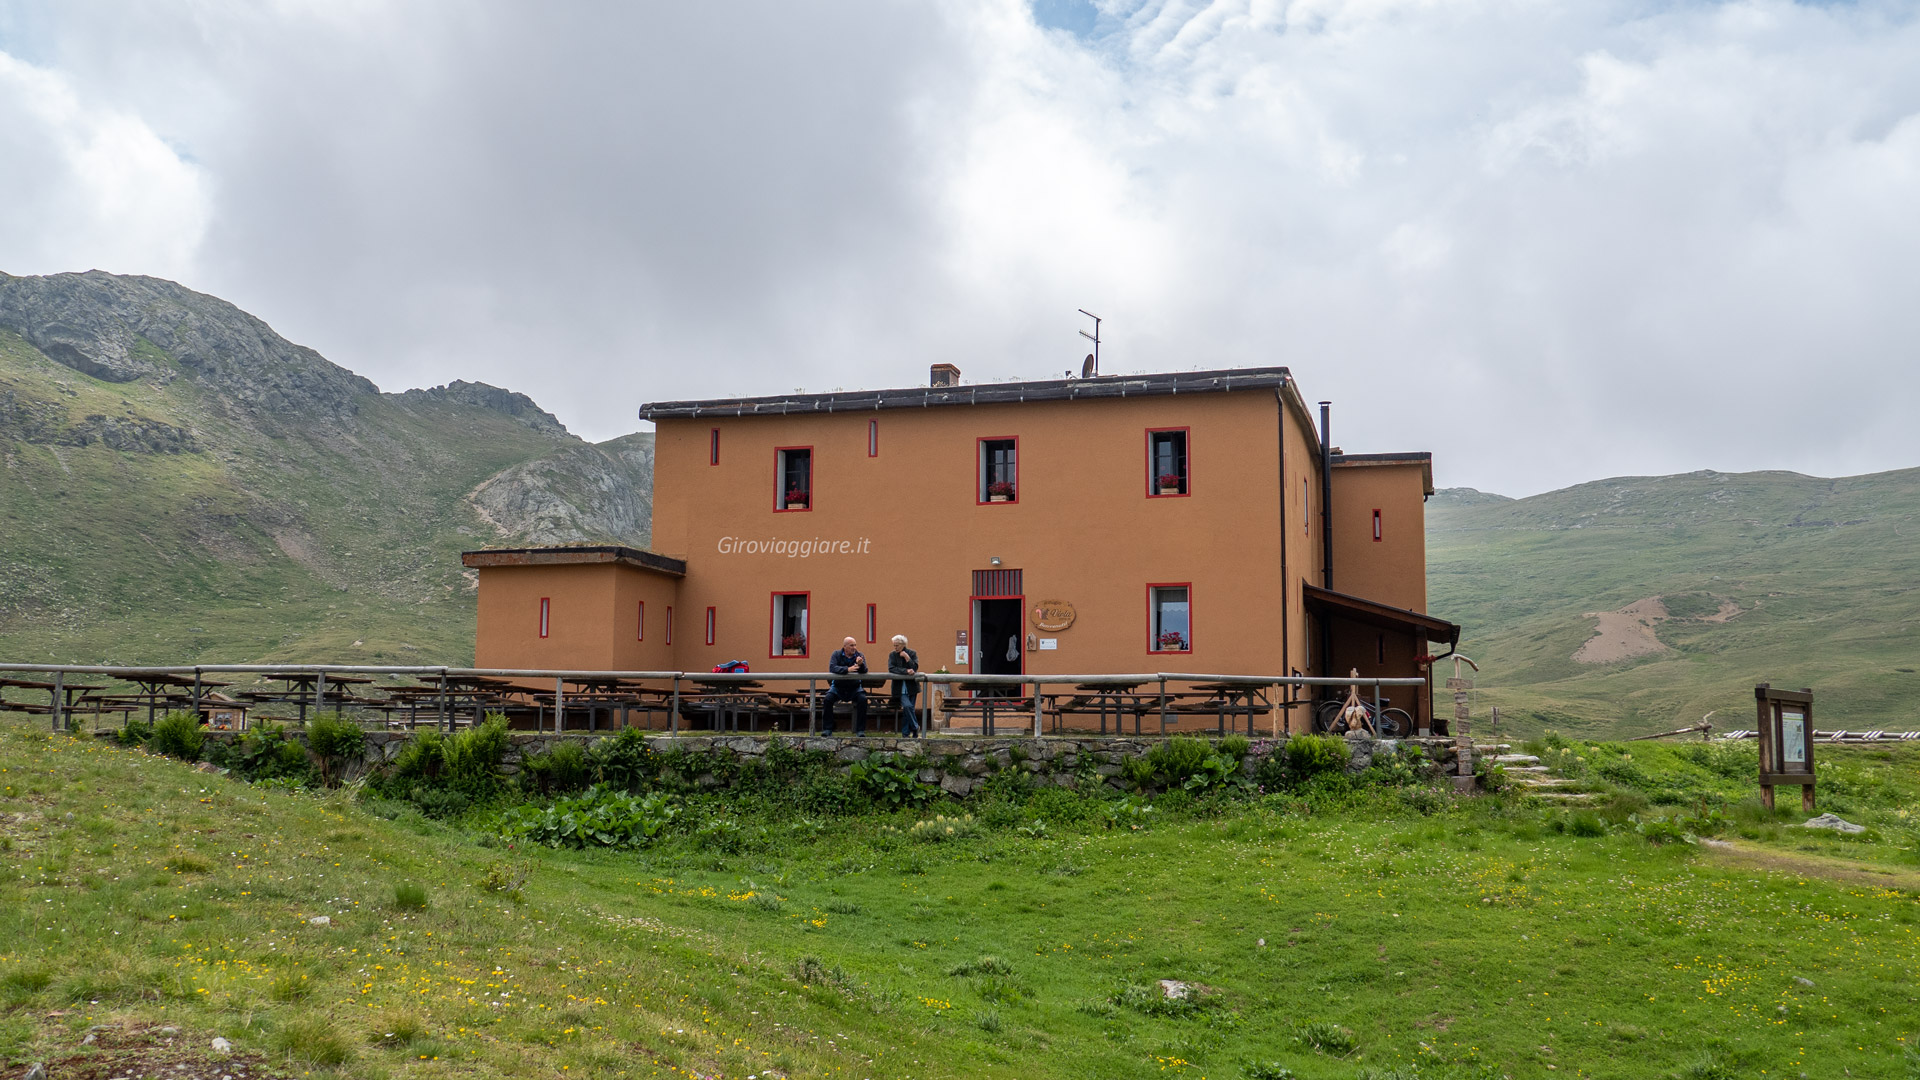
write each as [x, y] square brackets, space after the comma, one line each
[410, 897]
[335, 740]
[135, 733]
[471, 758]
[625, 761]
[178, 734]
[444, 775]
[262, 752]
[601, 817]
[505, 878]
[1310, 755]
[563, 768]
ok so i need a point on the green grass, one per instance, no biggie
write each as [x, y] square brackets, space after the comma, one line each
[1476, 941]
[287, 538]
[1823, 572]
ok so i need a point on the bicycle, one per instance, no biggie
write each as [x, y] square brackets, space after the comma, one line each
[1389, 723]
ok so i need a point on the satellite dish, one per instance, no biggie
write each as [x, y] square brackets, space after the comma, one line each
[1086, 368]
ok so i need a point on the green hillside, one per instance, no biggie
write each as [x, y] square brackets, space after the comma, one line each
[1766, 577]
[180, 484]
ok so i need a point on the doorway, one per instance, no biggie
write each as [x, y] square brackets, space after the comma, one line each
[996, 635]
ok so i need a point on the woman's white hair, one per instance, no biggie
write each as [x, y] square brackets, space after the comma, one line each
[899, 639]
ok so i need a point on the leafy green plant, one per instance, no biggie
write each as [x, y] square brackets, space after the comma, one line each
[262, 752]
[1131, 812]
[505, 878]
[134, 733]
[626, 761]
[887, 784]
[940, 829]
[985, 965]
[1311, 755]
[1267, 1070]
[335, 740]
[1324, 1037]
[600, 817]
[178, 734]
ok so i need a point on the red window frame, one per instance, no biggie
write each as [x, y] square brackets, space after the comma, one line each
[1153, 480]
[1153, 640]
[773, 624]
[546, 615]
[1376, 526]
[980, 468]
[780, 481]
[669, 624]
[713, 446]
[873, 438]
[873, 623]
[640, 623]
[710, 622]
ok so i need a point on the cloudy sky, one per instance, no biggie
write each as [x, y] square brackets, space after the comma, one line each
[1548, 241]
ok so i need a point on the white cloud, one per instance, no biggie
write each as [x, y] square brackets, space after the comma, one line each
[85, 186]
[1546, 241]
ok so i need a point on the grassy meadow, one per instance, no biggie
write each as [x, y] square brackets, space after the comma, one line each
[1364, 932]
[1820, 571]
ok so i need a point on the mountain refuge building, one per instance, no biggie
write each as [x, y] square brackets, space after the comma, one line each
[1196, 522]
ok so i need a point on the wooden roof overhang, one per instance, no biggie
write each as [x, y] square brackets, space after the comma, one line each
[584, 554]
[1374, 613]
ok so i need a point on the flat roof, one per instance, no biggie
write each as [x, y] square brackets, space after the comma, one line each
[1421, 458]
[575, 555]
[1099, 387]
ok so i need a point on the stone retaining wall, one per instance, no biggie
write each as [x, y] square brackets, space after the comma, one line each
[956, 765]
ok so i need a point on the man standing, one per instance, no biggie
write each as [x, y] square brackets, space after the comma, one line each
[848, 661]
[904, 661]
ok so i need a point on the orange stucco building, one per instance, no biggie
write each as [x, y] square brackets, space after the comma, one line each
[1172, 522]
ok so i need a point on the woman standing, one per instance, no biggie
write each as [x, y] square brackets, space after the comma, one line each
[904, 661]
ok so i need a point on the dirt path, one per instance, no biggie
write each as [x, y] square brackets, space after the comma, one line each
[1808, 864]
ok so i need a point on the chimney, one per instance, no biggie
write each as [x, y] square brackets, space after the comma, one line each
[945, 375]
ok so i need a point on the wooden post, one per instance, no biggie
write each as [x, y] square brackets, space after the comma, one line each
[1036, 709]
[196, 692]
[813, 718]
[1163, 707]
[1765, 726]
[59, 699]
[559, 706]
[320, 693]
[674, 718]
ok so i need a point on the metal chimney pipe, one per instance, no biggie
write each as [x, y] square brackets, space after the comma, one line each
[1326, 494]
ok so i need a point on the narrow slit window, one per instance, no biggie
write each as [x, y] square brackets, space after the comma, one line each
[999, 471]
[873, 438]
[789, 624]
[793, 469]
[1170, 626]
[873, 623]
[710, 621]
[1382, 643]
[1376, 526]
[1167, 462]
[713, 447]
[669, 624]
[546, 615]
[640, 623]
[1306, 509]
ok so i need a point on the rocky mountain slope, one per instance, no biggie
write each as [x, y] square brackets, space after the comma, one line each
[1640, 604]
[179, 482]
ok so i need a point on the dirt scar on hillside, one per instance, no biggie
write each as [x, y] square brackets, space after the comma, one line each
[1629, 632]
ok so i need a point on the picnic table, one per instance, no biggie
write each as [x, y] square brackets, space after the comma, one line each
[1237, 699]
[67, 696]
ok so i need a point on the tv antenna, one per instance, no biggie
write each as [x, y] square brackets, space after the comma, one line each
[1092, 365]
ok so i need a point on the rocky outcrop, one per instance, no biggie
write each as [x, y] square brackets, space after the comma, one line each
[581, 494]
[121, 328]
[482, 396]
